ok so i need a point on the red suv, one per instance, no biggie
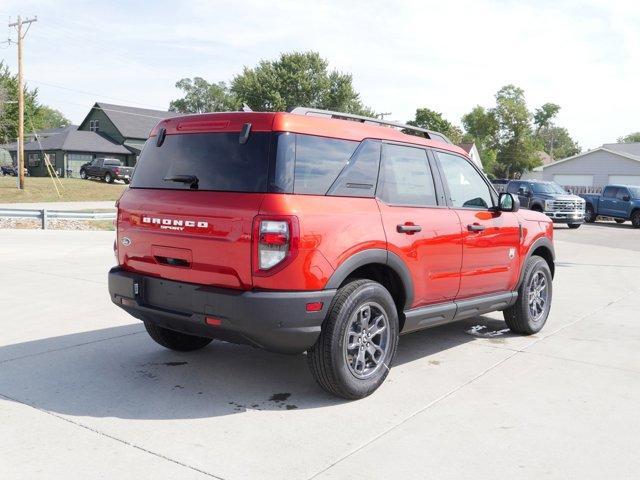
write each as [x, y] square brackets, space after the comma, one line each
[320, 232]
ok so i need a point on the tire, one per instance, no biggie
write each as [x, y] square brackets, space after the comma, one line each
[537, 208]
[127, 182]
[519, 317]
[108, 178]
[589, 214]
[574, 225]
[175, 340]
[83, 174]
[354, 376]
[635, 219]
[620, 220]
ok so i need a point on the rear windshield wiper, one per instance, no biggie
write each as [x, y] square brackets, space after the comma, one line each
[192, 180]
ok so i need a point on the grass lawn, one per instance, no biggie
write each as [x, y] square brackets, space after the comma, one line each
[40, 189]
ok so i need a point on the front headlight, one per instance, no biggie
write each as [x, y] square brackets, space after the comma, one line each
[548, 204]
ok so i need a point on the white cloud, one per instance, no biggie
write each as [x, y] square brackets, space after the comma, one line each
[448, 56]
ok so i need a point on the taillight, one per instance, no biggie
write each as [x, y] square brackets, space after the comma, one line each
[275, 241]
[116, 171]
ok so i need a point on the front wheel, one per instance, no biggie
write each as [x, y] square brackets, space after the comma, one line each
[83, 174]
[635, 219]
[175, 340]
[529, 314]
[574, 225]
[358, 341]
[589, 214]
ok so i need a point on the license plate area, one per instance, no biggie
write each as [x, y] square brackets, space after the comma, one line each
[168, 295]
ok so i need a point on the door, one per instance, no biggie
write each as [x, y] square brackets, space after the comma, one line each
[608, 202]
[523, 192]
[491, 239]
[420, 228]
[622, 202]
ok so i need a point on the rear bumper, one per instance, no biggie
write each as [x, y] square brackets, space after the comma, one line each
[276, 321]
[576, 216]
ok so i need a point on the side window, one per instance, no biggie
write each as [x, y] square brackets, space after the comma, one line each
[318, 162]
[405, 177]
[513, 187]
[609, 192]
[358, 178]
[622, 192]
[466, 186]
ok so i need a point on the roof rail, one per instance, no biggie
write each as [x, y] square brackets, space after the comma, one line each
[316, 112]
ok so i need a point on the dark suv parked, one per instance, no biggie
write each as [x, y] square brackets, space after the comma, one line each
[107, 169]
[551, 199]
[320, 232]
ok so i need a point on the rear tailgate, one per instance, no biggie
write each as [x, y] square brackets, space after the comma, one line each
[188, 213]
[195, 237]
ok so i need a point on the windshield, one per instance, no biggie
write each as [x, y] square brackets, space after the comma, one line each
[550, 187]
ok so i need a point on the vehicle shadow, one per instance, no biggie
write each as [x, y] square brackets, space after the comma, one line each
[601, 224]
[120, 372]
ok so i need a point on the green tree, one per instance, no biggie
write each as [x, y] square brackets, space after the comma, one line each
[201, 96]
[432, 120]
[36, 116]
[482, 128]
[49, 118]
[542, 116]
[631, 138]
[557, 142]
[297, 79]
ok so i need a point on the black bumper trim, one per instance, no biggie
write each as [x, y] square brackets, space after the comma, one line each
[276, 321]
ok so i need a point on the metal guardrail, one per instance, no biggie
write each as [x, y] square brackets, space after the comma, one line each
[44, 215]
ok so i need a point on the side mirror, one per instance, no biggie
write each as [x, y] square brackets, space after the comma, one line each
[626, 198]
[508, 203]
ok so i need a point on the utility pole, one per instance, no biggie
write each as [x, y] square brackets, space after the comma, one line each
[20, 151]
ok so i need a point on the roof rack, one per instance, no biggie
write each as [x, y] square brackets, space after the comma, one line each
[316, 112]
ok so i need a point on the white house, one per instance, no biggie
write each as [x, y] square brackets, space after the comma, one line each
[611, 163]
[471, 149]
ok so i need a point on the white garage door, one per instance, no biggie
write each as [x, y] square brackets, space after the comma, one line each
[625, 179]
[574, 180]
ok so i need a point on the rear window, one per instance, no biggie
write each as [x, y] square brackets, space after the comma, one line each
[218, 160]
[112, 163]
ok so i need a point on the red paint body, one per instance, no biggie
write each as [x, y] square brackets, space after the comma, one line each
[445, 260]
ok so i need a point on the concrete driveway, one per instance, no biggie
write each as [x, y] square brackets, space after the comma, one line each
[84, 393]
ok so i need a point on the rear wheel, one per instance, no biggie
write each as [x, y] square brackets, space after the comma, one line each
[358, 341]
[635, 219]
[620, 220]
[108, 177]
[589, 214]
[175, 340]
[529, 314]
[574, 225]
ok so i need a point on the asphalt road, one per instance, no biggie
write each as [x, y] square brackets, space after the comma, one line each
[84, 393]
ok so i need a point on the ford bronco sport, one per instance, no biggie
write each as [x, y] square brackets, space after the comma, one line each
[320, 232]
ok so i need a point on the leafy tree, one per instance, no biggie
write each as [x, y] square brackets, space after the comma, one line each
[50, 118]
[297, 79]
[432, 120]
[542, 116]
[36, 116]
[631, 138]
[557, 142]
[201, 96]
[482, 128]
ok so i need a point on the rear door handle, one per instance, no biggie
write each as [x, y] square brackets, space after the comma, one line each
[476, 227]
[409, 229]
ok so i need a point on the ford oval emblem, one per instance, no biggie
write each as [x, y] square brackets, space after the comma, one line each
[126, 241]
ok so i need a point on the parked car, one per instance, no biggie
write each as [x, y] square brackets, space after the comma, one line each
[107, 169]
[500, 184]
[620, 202]
[9, 170]
[301, 231]
[551, 199]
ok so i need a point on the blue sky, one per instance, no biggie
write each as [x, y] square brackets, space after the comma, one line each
[448, 56]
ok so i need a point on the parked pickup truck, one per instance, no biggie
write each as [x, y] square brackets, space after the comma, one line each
[9, 170]
[620, 202]
[107, 169]
[551, 199]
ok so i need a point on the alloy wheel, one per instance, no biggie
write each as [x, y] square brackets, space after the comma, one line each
[366, 340]
[538, 295]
